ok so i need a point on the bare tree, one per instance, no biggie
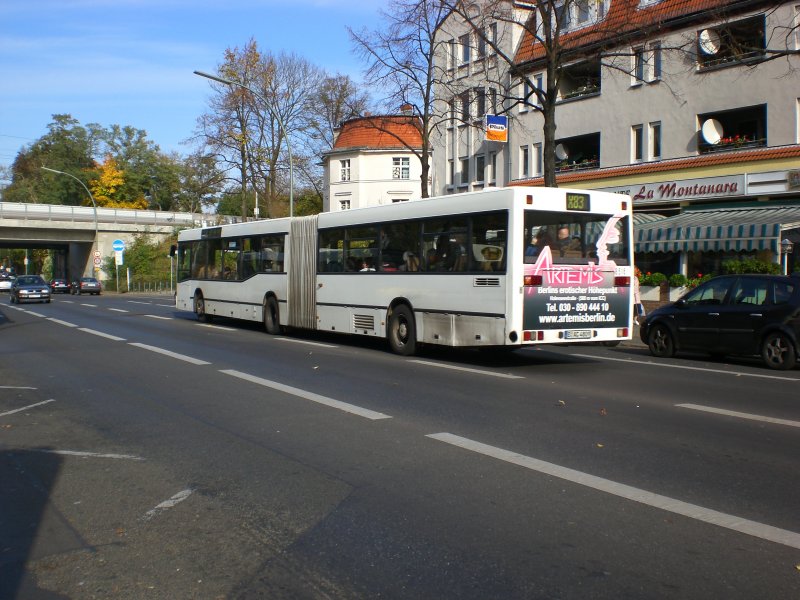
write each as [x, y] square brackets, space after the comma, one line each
[401, 62]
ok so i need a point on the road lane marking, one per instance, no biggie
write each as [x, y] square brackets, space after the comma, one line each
[60, 322]
[692, 511]
[740, 415]
[217, 327]
[138, 302]
[176, 499]
[11, 412]
[294, 341]
[189, 359]
[101, 334]
[467, 369]
[668, 366]
[89, 305]
[89, 454]
[16, 387]
[166, 305]
[122, 310]
[35, 314]
[158, 317]
[344, 406]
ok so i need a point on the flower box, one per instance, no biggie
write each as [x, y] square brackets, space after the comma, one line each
[677, 292]
[650, 293]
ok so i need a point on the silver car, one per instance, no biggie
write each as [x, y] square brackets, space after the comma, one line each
[30, 288]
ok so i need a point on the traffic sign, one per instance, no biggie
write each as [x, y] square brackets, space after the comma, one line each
[118, 246]
[97, 260]
[97, 254]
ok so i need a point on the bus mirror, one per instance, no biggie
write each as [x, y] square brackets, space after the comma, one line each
[173, 250]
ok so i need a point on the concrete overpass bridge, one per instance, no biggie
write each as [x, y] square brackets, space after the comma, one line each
[70, 231]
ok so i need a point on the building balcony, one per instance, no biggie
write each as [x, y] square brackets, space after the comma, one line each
[733, 143]
[563, 166]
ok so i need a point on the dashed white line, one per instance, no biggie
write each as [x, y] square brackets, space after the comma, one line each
[89, 305]
[90, 454]
[35, 314]
[692, 511]
[159, 317]
[739, 415]
[688, 368]
[166, 305]
[122, 310]
[11, 412]
[183, 357]
[467, 369]
[16, 387]
[216, 327]
[177, 498]
[138, 302]
[60, 322]
[294, 341]
[101, 334]
[344, 406]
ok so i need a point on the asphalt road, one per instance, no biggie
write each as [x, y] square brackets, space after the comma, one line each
[146, 455]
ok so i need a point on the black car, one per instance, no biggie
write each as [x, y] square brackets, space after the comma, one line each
[86, 285]
[59, 285]
[733, 314]
[28, 288]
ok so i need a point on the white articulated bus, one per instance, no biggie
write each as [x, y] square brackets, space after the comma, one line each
[499, 267]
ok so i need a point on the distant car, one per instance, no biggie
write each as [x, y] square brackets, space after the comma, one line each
[6, 281]
[731, 315]
[28, 288]
[59, 285]
[86, 285]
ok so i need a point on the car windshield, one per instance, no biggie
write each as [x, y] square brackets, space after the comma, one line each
[30, 280]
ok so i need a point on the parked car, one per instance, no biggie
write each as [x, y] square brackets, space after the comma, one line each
[28, 288]
[59, 285]
[731, 315]
[86, 285]
[6, 281]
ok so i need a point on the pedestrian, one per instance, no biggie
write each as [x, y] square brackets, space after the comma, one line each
[638, 307]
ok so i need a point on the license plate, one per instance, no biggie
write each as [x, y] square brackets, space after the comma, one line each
[578, 334]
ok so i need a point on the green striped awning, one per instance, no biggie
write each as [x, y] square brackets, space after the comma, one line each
[719, 229]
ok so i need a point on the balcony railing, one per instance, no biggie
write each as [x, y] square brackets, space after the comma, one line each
[577, 165]
[732, 144]
[744, 57]
[584, 90]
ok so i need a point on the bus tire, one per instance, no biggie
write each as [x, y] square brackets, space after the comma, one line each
[200, 309]
[402, 331]
[272, 321]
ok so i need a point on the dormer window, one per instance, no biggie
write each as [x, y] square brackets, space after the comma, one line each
[575, 14]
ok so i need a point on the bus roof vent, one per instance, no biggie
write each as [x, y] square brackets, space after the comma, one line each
[486, 282]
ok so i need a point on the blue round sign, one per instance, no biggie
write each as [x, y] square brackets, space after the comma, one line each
[118, 246]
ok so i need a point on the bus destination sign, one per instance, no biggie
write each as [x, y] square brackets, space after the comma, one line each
[578, 201]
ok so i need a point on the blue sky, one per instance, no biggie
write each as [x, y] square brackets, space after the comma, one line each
[130, 62]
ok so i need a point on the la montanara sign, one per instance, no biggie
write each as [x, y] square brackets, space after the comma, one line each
[683, 189]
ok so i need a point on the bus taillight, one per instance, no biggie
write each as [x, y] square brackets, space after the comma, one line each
[531, 280]
[622, 281]
[533, 336]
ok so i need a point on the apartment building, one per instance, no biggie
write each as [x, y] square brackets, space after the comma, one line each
[692, 107]
[373, 162]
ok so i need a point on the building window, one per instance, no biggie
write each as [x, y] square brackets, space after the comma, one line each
[639, 63]
[464, 103]
[732, 43]
[492, 106]
[480, 102]
[655, 140]
[401, 168]
[344, 204]
[480, 168]
[451, 172]
[655, 51]
[637, 139]
[465, 48]
[524, 162]
[465, 171]
[452, 54]
[493, 167]
[538, 156]
[344, 171]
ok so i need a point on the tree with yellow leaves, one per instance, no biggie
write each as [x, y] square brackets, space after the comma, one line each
[108, 185]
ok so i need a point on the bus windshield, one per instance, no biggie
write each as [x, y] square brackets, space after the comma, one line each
[573, 237]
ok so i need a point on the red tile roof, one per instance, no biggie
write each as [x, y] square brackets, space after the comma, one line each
[625, 18]
[380, 132]
[692, 162]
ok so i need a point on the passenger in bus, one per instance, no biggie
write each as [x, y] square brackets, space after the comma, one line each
[367, 264]
[568, 246]
[457, 259]
[410, 261]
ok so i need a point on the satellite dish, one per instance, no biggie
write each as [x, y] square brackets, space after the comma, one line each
[709, 41]
[712, 131]
[561, 152]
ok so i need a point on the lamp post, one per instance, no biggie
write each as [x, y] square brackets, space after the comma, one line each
[786, 249]
[275, 115]
[94, 205]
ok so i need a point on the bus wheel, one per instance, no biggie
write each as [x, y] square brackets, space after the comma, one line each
[402, 331]
[200, 309]
[272, 322]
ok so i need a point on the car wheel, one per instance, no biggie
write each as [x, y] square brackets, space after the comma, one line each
[402, 331]
[778, 352]
[660, 342]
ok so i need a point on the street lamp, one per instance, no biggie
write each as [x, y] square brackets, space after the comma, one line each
[275, 115]
[786, 249]
[94, 204]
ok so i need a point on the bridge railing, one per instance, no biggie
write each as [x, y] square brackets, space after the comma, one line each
[60, 212]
